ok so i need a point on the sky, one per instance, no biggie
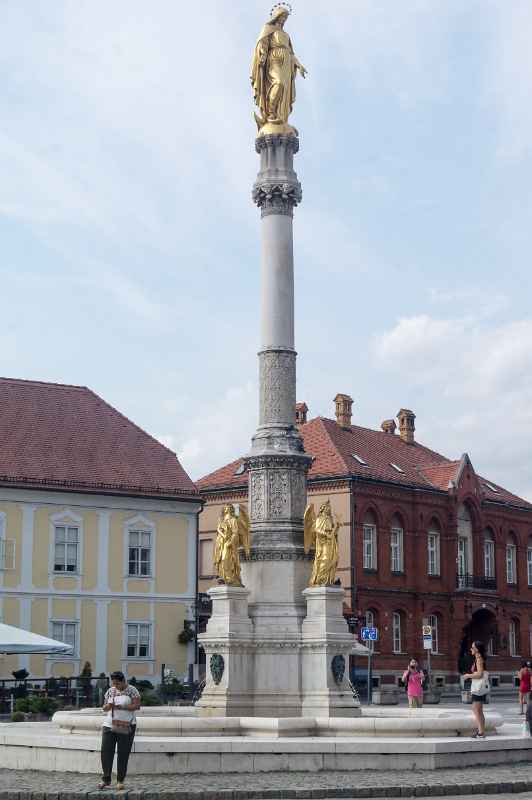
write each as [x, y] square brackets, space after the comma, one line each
[130, 246]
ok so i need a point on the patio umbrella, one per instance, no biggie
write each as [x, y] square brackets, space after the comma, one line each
[17, 641]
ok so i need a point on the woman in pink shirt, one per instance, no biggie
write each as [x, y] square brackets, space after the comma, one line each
[413, 679]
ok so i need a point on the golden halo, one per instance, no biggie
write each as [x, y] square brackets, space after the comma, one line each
[285, 6]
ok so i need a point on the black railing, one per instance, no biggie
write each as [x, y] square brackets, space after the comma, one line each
[475, 582]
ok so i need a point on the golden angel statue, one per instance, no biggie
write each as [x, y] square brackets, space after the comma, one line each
[321, 533]
[273, 74]
[232, 534]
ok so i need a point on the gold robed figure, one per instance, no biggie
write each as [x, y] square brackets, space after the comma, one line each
[273, 75]
[232, 534]
[321, 533]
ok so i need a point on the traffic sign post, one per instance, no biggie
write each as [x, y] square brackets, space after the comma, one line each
[427, 645]
[369, 635]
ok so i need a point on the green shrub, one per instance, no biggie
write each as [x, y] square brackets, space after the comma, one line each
[148, 699]
[17, 716]
[22, 704]
[43, 705]
[143, 684]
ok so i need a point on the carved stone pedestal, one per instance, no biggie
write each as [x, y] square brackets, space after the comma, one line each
[326, 646]
[228, 645]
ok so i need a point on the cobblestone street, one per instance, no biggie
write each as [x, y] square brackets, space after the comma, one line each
[16, 785]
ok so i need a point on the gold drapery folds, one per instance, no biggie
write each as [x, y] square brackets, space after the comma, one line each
[233, 532]
[273, 76]
[321, 534]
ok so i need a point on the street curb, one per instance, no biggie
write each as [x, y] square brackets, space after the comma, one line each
[439, 790]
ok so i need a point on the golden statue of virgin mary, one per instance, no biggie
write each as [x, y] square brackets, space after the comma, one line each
[273, 75]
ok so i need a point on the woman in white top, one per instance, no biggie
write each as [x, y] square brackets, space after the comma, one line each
[118, 730]
[479, 687]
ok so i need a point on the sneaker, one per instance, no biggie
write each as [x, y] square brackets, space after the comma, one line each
[120, 787]
[475, 735]
[103, 785]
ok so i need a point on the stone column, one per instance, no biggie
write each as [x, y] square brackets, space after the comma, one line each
[277, 570]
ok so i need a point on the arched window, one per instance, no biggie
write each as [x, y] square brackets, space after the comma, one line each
[435, 624]
[433, 548]
[397, 632]
[396, 545]
[369, 541]
[514, 637]
[511, 560]
[465, 547]
[489, 554]
[529, 564]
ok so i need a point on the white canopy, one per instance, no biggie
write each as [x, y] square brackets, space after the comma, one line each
[15, 640]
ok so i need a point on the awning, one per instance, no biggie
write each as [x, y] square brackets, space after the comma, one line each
[17, 641]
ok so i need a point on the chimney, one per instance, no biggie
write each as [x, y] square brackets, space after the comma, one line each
[343, 410]
[406, 425]
[389, 426]
[301, 414]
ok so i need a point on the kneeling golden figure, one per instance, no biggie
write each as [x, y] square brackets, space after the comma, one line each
[321, 533]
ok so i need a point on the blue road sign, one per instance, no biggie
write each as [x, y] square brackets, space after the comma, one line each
[369, 634]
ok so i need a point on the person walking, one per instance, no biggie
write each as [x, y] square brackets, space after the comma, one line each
[413, 678]
[524, 676]
[480, 687]
[118, 729]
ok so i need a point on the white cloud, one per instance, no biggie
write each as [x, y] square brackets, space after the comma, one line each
[484, 375]
[218, 431]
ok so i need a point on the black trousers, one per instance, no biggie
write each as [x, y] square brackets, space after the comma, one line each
[122, 744]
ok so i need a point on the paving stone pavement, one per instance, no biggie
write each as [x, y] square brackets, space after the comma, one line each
[25, 785]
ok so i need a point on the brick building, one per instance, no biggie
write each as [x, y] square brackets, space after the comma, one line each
[424, 539]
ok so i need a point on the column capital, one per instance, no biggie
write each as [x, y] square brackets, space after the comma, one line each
[277, 189]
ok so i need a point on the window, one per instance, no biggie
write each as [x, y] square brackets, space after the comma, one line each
[66, 632]
[491, 487]
[206, 566]
[138, 640]
[7, 553]
[66, 548]
[489, 555]
[240, 469]
[529, 565]
[396, 546]
[513, 637]
[396, 467]
[511, 575]
[433, 552]
[139, 558]
[396, 632]
[434, 624]
[370, 546]
[359, 459]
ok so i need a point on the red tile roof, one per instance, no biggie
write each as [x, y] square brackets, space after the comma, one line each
[66, 437]
[334, 449]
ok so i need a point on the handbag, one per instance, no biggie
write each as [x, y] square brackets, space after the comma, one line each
[481, 686]
[120, 726]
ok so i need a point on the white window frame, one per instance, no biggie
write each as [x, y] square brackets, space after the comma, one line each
[512, 638]
[66, 519]
[489, 558]
[530, 637]
[369, 544]
[7, 547]
[529, 566]
[397, 633]
[140, 532]
[74, 623]
[511, 573]
[397, 550]
[433, 553]
[435, 625]
[140, 523]
[138, 624]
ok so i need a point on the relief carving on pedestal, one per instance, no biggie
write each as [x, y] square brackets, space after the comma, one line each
[279, 494]
[257, 485]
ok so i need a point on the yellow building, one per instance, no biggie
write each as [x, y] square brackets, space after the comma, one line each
[98, 535]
